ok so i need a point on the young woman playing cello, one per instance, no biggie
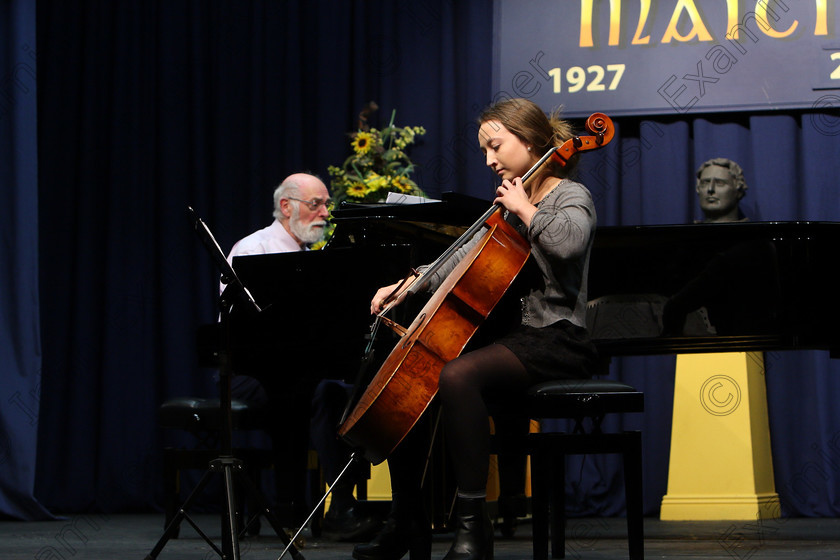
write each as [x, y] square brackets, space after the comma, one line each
[557, 217]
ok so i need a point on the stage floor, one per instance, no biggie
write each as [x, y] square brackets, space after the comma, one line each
[122, 537]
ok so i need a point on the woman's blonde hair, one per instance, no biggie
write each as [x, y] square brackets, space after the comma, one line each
[531, 125]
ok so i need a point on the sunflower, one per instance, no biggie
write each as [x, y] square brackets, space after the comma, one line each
[403, 184]
[362, 142]
[357, 190]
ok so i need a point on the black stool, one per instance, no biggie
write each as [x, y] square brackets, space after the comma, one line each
[579, 399]
[203, 419]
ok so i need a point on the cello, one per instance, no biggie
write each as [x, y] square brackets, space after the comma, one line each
[406, 382]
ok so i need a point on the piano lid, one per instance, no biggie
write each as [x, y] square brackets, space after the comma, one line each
[713, 287]
[453, 209]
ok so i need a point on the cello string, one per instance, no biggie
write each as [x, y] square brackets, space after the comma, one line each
[422, 280]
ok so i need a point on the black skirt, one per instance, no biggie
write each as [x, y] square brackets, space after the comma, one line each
[562, 350]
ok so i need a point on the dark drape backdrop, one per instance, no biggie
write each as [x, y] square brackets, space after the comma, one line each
[145, 108]
[20, 340]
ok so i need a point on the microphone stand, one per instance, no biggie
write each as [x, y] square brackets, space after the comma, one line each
[225, 464]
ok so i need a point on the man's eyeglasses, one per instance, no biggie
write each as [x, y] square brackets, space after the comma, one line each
[316, 203]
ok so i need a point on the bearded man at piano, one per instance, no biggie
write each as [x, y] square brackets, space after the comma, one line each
[302, 206]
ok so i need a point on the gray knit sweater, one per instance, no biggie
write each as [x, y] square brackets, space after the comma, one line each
[561, 236]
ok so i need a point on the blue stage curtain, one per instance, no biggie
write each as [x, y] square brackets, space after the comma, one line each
[147, 108]
[20, 341]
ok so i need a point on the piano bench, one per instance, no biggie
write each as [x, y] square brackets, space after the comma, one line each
[581, 400]
[203, 419]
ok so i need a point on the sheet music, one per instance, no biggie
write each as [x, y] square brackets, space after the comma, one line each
[399, 198]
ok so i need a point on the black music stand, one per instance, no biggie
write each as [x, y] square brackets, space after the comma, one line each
[225, 464]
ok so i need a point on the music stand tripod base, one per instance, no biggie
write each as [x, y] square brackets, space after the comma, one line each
[228, 467]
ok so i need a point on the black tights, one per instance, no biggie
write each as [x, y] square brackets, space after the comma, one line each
[493, 376]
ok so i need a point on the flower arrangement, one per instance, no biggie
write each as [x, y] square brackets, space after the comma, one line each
[379, 163]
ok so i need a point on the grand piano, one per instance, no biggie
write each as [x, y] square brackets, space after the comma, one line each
[660, 289]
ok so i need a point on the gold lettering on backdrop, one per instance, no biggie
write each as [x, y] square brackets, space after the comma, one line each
[586, 23]
[686, 22]
[761, 14]
[821, 27]
[644, 12]
[586, 16]
[760, 23]
[732, 15]
[698, 28]
[615, 21]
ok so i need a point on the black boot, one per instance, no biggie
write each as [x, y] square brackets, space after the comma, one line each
[407, 529]
[350, 523]
[348, 520]
[474, 534]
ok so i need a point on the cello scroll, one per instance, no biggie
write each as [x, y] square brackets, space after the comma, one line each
[602, 129]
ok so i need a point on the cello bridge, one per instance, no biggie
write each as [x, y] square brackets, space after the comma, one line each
[394, 326]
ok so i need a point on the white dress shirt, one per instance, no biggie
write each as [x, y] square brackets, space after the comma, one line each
[271, 239]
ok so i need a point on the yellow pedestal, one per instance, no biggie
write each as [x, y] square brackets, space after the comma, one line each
[721, 466]
[379, 485]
